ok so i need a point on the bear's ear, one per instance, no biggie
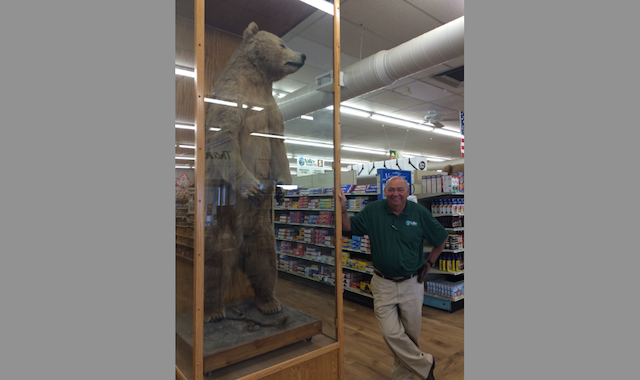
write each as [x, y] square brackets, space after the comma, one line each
[251, 31]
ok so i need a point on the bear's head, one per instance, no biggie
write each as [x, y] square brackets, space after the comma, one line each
[269, 54]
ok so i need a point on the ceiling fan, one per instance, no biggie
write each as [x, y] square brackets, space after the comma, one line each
[431, 119]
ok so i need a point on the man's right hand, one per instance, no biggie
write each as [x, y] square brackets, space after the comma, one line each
[343, 201]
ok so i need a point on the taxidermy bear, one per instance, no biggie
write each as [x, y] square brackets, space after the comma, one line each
[248, 165]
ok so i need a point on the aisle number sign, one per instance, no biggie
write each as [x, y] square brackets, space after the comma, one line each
[309, 166]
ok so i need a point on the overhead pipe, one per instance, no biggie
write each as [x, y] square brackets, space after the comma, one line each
[382, 69]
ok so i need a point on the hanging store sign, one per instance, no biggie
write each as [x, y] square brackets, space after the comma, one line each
[309, 166]
[462, 133]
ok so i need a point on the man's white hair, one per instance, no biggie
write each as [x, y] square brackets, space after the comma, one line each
[387, 184]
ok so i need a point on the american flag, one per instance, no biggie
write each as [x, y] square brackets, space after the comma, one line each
[462, 132]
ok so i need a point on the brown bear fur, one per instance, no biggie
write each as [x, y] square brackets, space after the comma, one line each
[243, 237]
[450, 169]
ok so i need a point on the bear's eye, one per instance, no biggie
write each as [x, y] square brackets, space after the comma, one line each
[282, 46]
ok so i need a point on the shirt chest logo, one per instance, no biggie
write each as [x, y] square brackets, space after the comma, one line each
[411, 223]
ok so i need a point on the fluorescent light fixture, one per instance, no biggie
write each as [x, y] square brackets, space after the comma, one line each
[306, 117]
[393, 120]
[435, 159]
[448, 133]
[265, 135]
[293, 173]
[362, 150]
[354, 112]
[320, 4]
[222, 102]
[185, 73]
[293, 166]
[287, 187]
[183, 167]
[185, 158]
[452, 129]
[252, 108]
[308, 143]
[353, 162]
[193, 127]
[405, 123]
[187, 146]
[344, 169]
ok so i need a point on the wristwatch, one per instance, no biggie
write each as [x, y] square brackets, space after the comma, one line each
[430, 263]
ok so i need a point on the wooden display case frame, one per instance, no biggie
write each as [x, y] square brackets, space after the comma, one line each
[321, 361]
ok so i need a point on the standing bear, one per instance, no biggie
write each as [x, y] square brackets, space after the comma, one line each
[247, 165]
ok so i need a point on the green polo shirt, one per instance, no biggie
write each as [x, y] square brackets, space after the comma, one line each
[397, 241]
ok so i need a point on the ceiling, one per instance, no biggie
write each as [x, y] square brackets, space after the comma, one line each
[367, 27]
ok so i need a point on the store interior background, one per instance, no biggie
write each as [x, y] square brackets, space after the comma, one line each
[367, 27]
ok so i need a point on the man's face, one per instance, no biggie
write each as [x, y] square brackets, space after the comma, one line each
[396, 192]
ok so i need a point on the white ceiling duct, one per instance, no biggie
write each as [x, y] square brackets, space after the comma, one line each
[383, 68]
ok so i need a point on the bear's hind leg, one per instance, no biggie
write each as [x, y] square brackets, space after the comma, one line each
[260, 265]
[219, 264]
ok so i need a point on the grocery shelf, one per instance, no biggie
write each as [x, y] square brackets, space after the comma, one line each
[435, 195]
[356, 291]
[438, 271]
[301, 209]
[444, 298]
[305, 277]
[305, 225]
[304, 242]
[357, 270]
[308, 258]
[357, 251]
[443, 303]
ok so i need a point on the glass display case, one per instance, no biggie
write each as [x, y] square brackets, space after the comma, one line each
[241, 311]
[262, 104]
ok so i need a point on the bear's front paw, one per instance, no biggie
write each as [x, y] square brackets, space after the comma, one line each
[272, 306]
[214, 317]
[253, 192]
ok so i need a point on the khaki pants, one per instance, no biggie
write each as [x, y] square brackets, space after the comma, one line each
[398, 308]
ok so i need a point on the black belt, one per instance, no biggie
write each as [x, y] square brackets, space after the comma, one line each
[394, 279]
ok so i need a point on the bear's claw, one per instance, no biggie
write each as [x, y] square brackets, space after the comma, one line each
[216, 317]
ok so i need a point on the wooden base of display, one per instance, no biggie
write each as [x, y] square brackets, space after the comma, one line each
[230, 341]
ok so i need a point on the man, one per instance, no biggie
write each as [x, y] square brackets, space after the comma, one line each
[396, 229]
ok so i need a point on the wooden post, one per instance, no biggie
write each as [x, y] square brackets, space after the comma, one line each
[198, 257]
[337, 185]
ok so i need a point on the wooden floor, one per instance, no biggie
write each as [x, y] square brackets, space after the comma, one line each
[366, 355]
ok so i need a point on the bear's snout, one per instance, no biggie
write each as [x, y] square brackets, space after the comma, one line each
[304, 58]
